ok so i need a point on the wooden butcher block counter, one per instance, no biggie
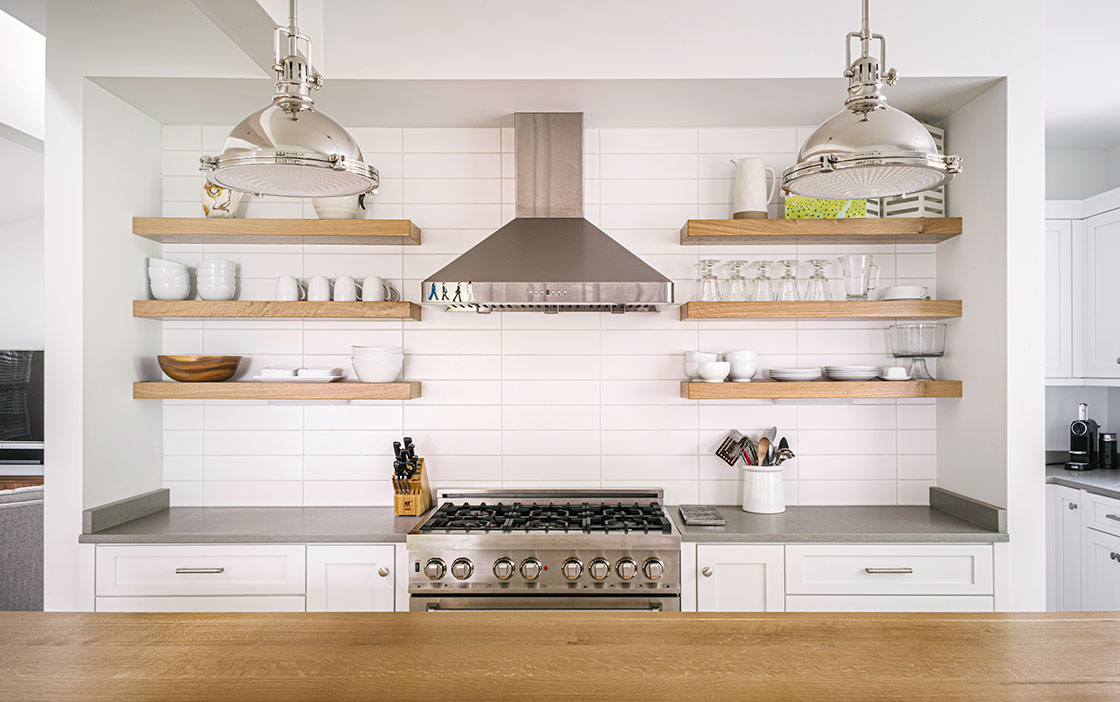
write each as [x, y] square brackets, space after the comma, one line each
[483, 656]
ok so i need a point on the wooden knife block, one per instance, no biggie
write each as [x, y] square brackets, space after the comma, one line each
[418, 496]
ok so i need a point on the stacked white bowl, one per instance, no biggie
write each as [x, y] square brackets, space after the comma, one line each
[217, 280]
[168, 280]
[744, 364]
[377, 364]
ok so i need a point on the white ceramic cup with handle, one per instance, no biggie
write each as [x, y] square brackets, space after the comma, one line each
[288, 289]
[374, 289]
[318, 289]
[345, 289]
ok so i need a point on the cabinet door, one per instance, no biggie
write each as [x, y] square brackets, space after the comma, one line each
[1059, 298]
[1063, 549]
[733, 578]
[350, 578]
[1100, 581]
[1100, 332]
[200, 604]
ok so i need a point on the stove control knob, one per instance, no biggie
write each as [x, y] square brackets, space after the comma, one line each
[503, 569]
[626, 569]
[653, 568]
[461, 568]
[530, 569]
[599, 569]
[572, 568]
[434, 569]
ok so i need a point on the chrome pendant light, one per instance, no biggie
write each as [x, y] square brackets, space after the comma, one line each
[868, 149]
[288, 148]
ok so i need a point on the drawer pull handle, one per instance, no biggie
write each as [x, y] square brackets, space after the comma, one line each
[198, 571]
[882, 571]
[1073, 505]
[1113, 517]
[1114, 556]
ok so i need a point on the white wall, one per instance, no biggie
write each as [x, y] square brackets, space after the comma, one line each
[524, 399]
[22, 58]
[21, 284]
[1075, 174]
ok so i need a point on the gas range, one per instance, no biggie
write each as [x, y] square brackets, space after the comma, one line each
[545, 549]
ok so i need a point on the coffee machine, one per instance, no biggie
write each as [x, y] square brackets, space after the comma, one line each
[1082, 441]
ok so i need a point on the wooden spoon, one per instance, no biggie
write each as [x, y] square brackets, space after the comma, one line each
[763, 450]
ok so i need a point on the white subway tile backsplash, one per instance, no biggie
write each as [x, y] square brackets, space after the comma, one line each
[525, 399]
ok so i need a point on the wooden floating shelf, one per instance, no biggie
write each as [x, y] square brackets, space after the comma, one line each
[204, 230]
[887, 230]
[844, 309]
[773, 390]
[251, 390]
[260, 309]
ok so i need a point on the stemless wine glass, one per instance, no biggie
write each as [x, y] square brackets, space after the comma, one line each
[818, 290]
[763, 287]
[736, 283]
[787, 284]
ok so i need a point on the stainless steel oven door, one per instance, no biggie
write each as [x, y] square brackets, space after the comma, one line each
[538, 603]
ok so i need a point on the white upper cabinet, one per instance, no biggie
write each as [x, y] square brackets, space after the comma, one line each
[1097, 326]
[1059, 298]
[350, 578]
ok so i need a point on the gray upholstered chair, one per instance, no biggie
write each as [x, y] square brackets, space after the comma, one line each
[21, 549]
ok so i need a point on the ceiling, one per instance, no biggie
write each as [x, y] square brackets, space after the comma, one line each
[484, 103]
[21, 182]
[1082, 62]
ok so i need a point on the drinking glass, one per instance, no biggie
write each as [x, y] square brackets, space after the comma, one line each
[737, 288]
[763, 285]
[819, 289]
[787, 284]
[861, 275]
[707, 285]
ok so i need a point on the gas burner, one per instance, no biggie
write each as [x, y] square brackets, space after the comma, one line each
[564, 517]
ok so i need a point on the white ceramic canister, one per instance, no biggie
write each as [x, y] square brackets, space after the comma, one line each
[218, 201]
[763, 490]
[750, 197]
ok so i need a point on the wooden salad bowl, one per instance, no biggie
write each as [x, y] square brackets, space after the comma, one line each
[199, 369]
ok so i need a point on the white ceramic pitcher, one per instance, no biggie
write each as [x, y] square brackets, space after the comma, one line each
[750, 196]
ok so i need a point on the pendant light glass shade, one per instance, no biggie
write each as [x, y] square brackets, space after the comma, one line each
[289, 148]
[869, 149]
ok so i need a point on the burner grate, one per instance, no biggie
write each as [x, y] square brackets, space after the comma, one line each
[564, 517]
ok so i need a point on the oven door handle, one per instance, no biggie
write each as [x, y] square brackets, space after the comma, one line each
[652, 607]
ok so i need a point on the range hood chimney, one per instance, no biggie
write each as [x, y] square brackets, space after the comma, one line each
[549, 258]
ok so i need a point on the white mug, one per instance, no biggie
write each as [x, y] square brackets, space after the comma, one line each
[318, 289]
[374, 289]
[288, 289]
[750, 197]
[345, 289]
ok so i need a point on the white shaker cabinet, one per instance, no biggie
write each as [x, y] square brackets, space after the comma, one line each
[1097, 296]
[1063, 549]
[1059, 298]
[1100, 580]
[350, 578]
[737, 578]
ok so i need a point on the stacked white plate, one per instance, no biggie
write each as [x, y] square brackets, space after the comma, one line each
[852, 372]
[795, 374]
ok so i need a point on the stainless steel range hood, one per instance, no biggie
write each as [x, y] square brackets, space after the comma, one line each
[548, 259]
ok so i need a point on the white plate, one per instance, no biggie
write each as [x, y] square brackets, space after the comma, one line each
[298, 379]
[883, 377]
[852, 369]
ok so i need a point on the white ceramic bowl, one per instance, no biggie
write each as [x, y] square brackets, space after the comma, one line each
[217, 279]
[740, 356]
[713, 371]
[743, 371]
[700, 356]
[377, 351]
[690, 370]
[170, 291]
[163, 263]
[216, 263]
[169, 277]
[217, 292]
[376, 371]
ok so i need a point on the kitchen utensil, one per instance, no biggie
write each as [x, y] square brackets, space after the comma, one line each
[729, 449]
[819, 289]
[861, 275]
[318, 289]
[763, 490]
[397, 449]
[787, 284]
[750, 451]
[906, 292]
[783, 455]
[288, 289]
[918, 340]
[345, 288]
[783, 444]
[702, 515]
[749, 196]
[199, 369]
[412, 496]
[713, 371]
[771, 435]
[764, 451]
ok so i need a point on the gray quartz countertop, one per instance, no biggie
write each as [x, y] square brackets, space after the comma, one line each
[1101, 482]
[838, 525]
[224, 525]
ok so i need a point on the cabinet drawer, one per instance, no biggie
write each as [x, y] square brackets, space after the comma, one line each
[200, 570]
[1100, 512]
[890, 603]
[199, 604]
[889, 569]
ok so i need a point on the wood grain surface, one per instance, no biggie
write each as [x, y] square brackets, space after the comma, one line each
[768, 389]
[888, 230]
[253, 390]
[235, 230]
[840, 309]
[473, 656]
[250, 309]
[199, 369]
